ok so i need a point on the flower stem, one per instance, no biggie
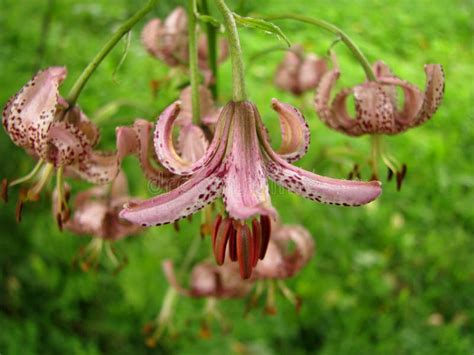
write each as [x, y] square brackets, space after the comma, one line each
[211, 49]
[337, 31]
[92, 66]
[193, 62]
[238, 79]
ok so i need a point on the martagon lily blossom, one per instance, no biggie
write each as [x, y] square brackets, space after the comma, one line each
[376, 106]
[236, 166]
[298, 72]
[377, 110]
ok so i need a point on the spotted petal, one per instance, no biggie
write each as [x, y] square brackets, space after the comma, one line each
[28, 116]
[412, 103]
[434, 93]
[323, 96]
[316, 187]
[295, 134]
[67, 144]
[200, 190]
[246, 189]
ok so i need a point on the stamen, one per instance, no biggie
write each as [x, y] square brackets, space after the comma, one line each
[401, 176]
[29, 176]
[221, 239]
[266, 231]
[257, 241]
[233, 245]
[244, 251]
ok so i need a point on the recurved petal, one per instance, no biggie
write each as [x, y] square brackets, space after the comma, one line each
[311, 71]
[381, 70]
[323, 96]
[246, 189]
[434, 92]
[200, 190]
[150, 36]
[412, 101]
[322, 189]
[295, 134]
[28, 116]
[67, 144]
[375, 112]
[341, 119]
[99, 167]
[299, 254]
[142, 130]
[192, 143]
[166, 151]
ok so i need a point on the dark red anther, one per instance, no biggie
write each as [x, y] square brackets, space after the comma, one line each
[233, 245]
[19, 210]
[400, 176]
[257, 241]
[266, 231]
[59, 221]
[389, 174]
[244, 251]
[4, 192]
[217, 222]
[222, 237]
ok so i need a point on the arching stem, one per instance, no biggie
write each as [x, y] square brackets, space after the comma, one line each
[92, 66]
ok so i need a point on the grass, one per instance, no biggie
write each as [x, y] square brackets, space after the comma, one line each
[395, 277]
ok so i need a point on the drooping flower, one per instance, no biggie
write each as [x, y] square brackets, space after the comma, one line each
[40, 121]
[168, 41]
[376, 106]
[298, 72]
[209, 280]
[290, 248]
[236, 166]
[96, 214]
[377, 110]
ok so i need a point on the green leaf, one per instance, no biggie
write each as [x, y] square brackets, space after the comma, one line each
[260, 24]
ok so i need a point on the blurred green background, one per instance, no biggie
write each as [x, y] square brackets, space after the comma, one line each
[394, 277]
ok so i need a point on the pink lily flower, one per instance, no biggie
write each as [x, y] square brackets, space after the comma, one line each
[377, 111]
[168, 41]
[96, 214]
[208, 280]
[38, 119]
[236, 166]
[298, 73]
[376, 102]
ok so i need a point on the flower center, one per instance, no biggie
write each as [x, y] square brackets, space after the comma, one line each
[245, 244]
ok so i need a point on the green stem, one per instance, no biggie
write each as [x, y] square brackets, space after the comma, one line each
[92, 66]
[238, 79]
[337, 31]
[193, 62]
[211, 49]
